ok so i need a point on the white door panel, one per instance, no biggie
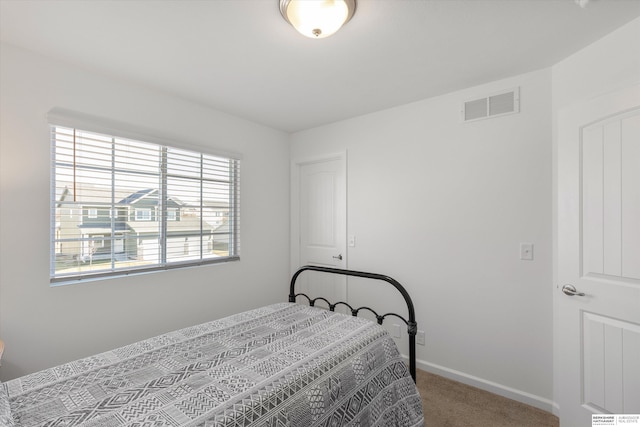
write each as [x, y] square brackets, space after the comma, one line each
[319, 224]
[320, 232]
[599, 255]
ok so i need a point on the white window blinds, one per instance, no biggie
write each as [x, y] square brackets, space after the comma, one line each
[120, 206]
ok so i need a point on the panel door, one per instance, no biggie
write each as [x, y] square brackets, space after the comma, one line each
[321, 219]
[598, 294]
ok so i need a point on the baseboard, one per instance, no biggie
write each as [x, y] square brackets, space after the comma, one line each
[499, 389]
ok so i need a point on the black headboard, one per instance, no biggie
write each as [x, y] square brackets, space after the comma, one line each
[412, 326]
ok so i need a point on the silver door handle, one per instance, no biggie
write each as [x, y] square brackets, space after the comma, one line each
[571, 291]
[339, 257]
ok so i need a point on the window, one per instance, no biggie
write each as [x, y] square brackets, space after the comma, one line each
[162, 204]
[143, 214]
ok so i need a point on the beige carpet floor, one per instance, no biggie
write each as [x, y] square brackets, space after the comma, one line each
[449, 403]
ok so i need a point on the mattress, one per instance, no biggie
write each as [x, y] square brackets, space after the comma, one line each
[280, 365]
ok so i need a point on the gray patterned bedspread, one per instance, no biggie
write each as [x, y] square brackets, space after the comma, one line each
[281, 365]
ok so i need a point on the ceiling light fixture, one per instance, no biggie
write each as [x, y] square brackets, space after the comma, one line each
[317, 18]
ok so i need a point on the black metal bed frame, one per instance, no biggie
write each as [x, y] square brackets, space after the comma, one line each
[412, 326]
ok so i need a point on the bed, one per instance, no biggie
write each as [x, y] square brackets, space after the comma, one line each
[286, 364]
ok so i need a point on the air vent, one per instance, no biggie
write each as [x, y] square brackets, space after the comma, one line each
[492, 106]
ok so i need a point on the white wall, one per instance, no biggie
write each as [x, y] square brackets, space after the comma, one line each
[608, 65]
[442, 207]
[43, 326]
[612, 63]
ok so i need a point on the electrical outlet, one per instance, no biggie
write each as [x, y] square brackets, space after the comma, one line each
[420, 337]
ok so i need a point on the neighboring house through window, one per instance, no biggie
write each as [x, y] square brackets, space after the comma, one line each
[122, 206]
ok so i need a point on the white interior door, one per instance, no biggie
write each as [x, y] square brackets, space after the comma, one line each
[599, 258]
[319, 219]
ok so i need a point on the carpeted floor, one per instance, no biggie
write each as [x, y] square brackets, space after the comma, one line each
[449, 403]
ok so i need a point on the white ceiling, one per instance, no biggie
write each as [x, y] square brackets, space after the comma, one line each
[241, 57]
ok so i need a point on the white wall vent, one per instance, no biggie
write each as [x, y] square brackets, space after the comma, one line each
[492, 106]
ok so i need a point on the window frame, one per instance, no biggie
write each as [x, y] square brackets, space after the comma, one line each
[71, 120]
[143, 214]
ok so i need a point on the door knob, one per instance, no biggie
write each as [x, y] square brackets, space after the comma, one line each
[339, 257]
[571, 291]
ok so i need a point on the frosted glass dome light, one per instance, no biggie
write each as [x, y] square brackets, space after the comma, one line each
[317, 18]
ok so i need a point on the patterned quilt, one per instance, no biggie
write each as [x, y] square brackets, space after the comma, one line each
[281, 365]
